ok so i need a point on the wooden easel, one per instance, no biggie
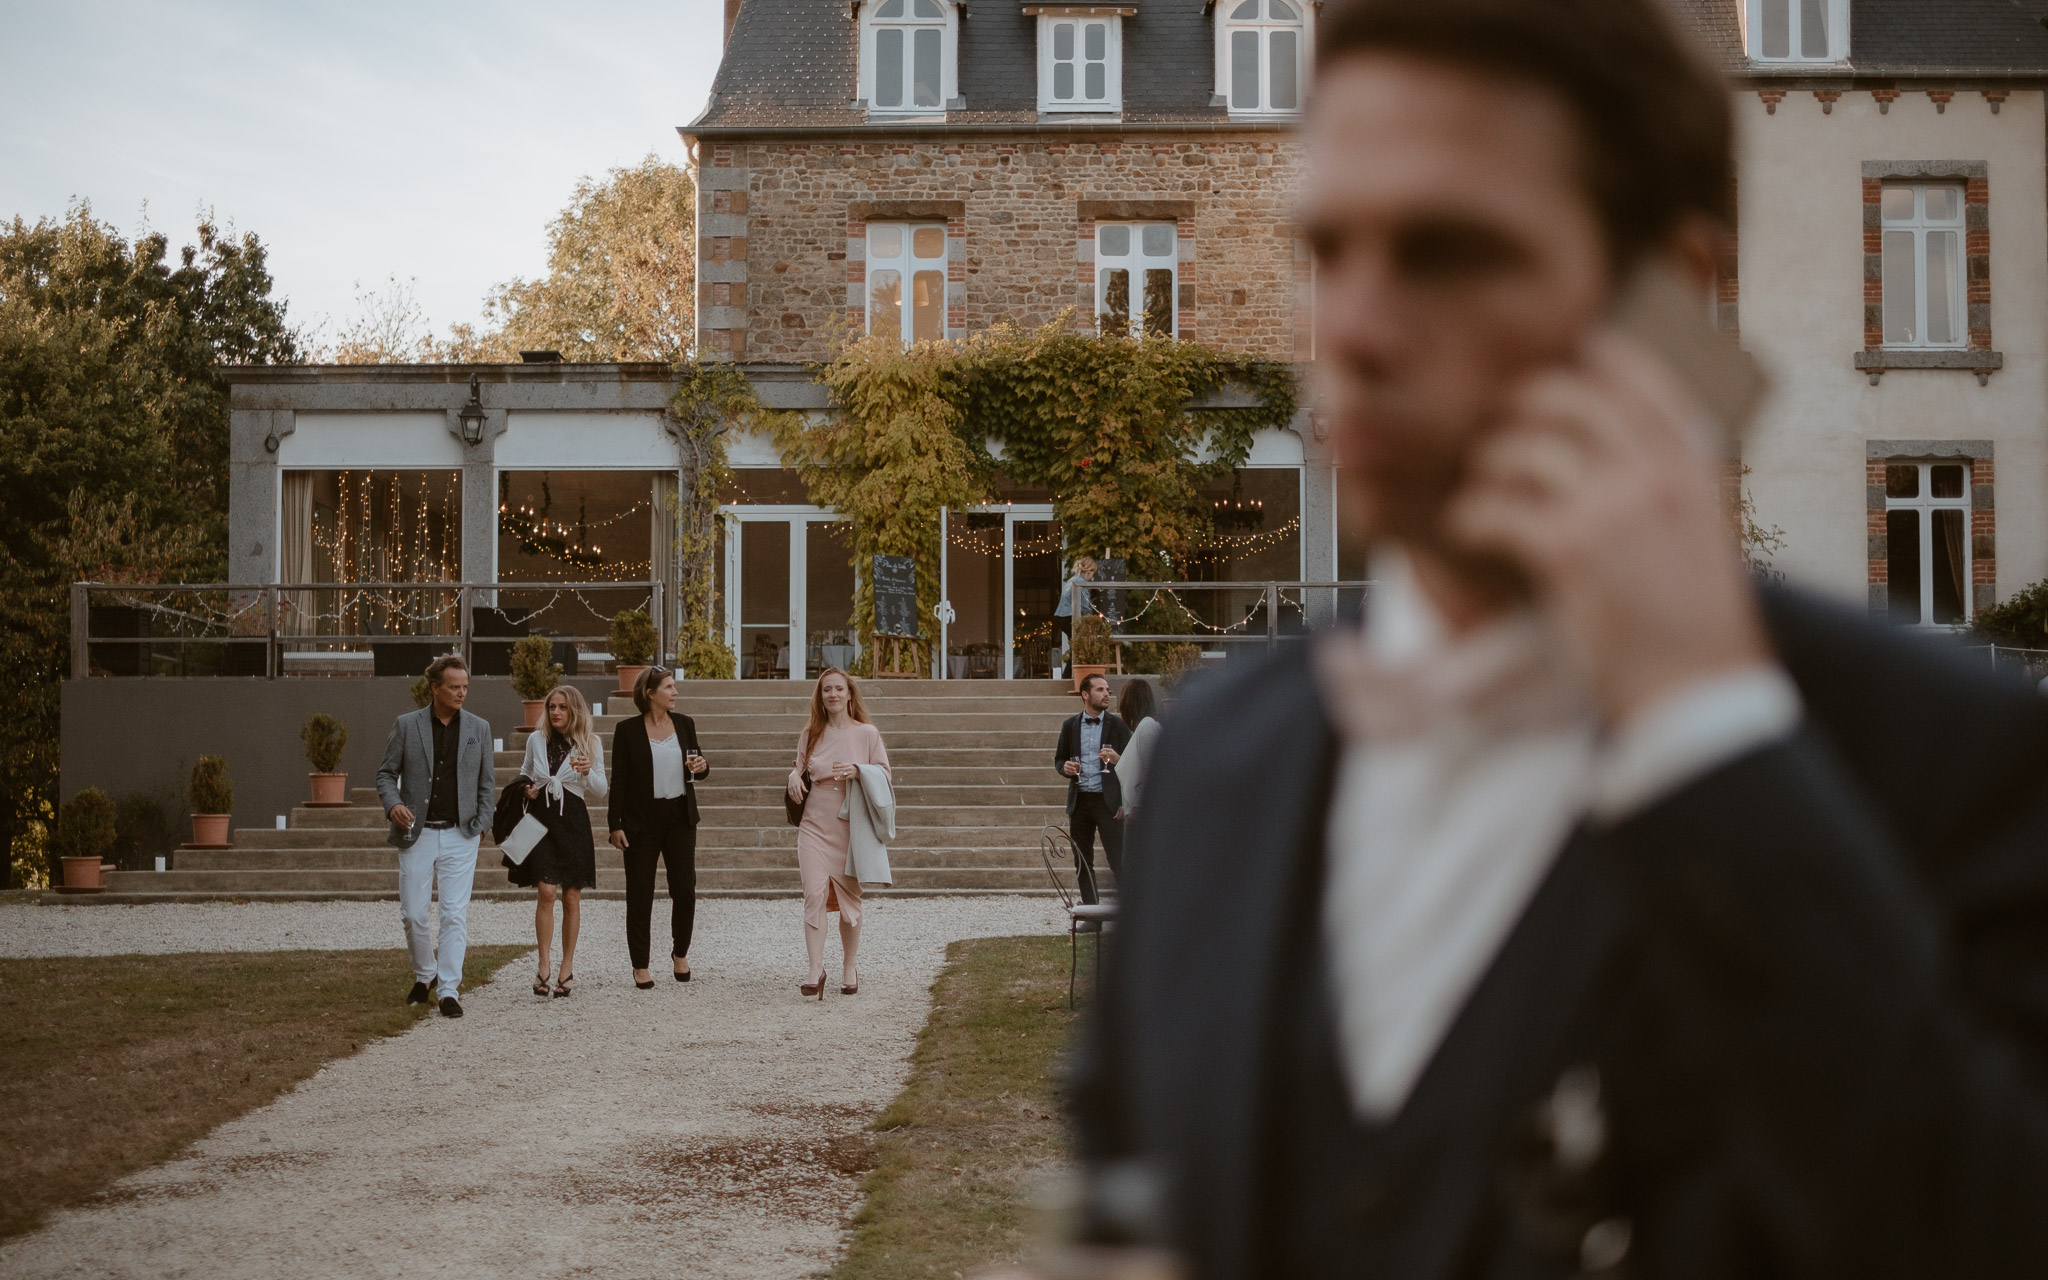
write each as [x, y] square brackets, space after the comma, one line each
[896, 658]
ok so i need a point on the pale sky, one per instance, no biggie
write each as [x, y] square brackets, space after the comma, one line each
[430, 140]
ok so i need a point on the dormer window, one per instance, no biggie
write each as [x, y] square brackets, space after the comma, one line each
[909, 55]
[1262, 55]
[1080, 57]
[1797, 30]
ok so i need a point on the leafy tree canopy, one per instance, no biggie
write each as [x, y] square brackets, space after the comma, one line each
[113, 444]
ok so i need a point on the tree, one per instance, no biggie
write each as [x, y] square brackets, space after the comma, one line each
[113, 446]
[620, 282]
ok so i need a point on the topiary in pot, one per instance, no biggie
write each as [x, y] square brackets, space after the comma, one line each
[212, 797]
[534, 674]
[325, 738]
[421, 692]
[632, 640]
[1091, 648]
[85, 836]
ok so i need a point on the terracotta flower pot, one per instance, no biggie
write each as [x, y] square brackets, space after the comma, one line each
[210, 830]
[532, 712]
[330, 791]
[627, 675]
[1082, 670]
[82, 875]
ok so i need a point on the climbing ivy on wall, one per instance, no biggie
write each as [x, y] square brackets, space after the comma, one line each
[1109, 425]
[710, 400]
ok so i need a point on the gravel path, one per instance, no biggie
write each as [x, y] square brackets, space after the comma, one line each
[715, 1128]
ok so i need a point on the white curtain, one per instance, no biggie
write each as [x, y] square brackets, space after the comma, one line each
[295, 561]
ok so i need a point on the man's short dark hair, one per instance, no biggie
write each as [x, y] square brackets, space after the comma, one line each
[1654, 117]
[442, 665]
[1094, 675]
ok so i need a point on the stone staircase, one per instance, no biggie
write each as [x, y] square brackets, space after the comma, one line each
[972, 762]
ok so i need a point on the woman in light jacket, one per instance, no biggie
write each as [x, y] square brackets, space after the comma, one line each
[1063, 612]
[656, 767]
[563, 770]
[1137, 707]
[834, 744]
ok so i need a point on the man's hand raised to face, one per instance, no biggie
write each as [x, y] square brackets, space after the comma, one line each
[1593, 487]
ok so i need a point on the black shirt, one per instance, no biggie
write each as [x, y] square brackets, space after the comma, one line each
[442, 805]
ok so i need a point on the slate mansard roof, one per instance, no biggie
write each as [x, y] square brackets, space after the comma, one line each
[794, 64]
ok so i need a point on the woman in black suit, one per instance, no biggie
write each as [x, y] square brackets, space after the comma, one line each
[655, 769]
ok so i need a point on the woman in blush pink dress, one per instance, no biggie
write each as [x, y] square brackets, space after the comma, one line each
[837, 739]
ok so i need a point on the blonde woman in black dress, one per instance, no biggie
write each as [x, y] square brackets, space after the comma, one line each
[563, 770]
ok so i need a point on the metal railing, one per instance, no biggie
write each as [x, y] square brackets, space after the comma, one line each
[339, 628]
[1227, 613]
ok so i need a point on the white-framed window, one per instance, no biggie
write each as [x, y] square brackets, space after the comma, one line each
[909, 55]
[1080, 63]
[906, 280]
[1137, 278]
[1922, 265]
[1927, 542]
[1262, 55]
[1797, 30]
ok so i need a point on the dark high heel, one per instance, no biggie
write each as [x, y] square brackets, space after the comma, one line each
[540, 984]
[644, 986]
[809, 989]
[684, 976]
[565, 986]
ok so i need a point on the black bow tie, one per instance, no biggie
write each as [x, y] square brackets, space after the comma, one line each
[1097, 720]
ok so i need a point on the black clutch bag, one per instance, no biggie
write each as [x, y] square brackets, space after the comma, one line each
[794, 809]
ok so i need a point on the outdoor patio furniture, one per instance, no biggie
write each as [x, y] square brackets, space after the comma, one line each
[1057, 848]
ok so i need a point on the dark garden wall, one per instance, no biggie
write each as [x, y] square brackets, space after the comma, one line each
[127, 736]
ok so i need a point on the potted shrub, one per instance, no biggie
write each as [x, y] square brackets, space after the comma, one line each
[1091, 648]
[534, 673]
[212, 797]
[420, 692]
[85, 836]
[325, 737]
[632, 642]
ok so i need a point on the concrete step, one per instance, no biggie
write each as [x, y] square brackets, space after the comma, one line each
[386, 859]
[142, 897]
[492, 879]
[758, 836]
[765, 794]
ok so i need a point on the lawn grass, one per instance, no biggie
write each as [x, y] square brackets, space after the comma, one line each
[979, 1118]
[167, 1048]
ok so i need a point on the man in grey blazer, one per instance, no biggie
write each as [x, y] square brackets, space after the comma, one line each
[436, 784]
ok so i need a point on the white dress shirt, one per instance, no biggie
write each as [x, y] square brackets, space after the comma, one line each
[1466, 767]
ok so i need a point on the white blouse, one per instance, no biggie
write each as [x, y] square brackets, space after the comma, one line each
[669, 775]
[534, 768]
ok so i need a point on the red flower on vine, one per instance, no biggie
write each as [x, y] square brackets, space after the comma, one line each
[1084, 463]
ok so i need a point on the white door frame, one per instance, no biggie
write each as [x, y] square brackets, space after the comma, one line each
[798, 518]
[1011, 513]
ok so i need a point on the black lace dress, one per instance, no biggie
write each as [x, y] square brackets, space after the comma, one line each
[568, 857]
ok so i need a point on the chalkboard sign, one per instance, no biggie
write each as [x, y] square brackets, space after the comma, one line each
[895, 596]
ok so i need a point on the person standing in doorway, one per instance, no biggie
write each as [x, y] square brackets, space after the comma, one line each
[653, 817]
[1063, 612]
[563, 771]
[1090, 745]
[834, 744]
[437, 787]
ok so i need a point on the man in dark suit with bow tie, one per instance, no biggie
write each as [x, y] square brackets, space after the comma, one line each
[1090, 745]
[1587, 911]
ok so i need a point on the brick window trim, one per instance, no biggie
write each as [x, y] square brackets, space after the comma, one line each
[1979, 358]
[1182, 211]
[1977, 455]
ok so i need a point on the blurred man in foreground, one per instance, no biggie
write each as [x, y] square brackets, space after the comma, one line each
[1586, 912]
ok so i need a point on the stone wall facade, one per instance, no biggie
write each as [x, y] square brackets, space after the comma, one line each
[782, 232]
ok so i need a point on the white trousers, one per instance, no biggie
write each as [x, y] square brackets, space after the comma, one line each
[443, 859]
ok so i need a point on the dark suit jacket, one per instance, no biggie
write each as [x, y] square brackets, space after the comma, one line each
[631, 806]
[1814, 985]
[1116, 735]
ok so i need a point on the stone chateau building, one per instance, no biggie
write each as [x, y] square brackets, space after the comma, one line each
[926, 168]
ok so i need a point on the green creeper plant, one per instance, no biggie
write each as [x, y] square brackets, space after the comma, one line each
[1091, 641]
[534, 669]
[210, 790]
[420, 691]
[325, 738]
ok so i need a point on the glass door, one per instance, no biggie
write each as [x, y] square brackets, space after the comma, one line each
[789, 592]
[1033, 572]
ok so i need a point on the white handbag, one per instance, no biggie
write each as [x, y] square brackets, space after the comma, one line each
[530, 832]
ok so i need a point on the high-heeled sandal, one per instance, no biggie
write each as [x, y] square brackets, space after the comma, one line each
[853, 990]
[809, 989]
[565, 986]
[540, 984]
